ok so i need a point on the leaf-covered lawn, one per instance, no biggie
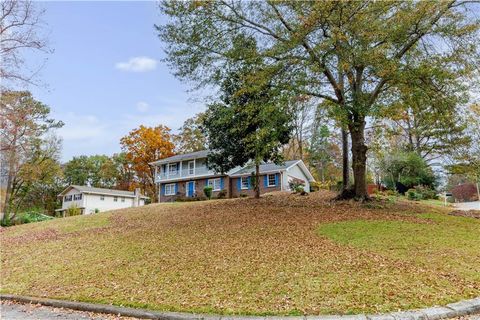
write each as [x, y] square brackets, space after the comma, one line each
[282, 254]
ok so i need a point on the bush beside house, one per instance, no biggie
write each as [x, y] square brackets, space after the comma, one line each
[465, 192]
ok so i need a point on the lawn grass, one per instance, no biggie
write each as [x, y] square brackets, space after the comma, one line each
[282, 254]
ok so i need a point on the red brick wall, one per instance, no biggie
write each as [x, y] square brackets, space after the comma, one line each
[250, 192]
[199, 185]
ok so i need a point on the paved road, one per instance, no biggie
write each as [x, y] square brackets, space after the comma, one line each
[15, 311]
[475, 205]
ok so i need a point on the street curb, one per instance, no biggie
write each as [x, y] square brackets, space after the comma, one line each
[457, 309]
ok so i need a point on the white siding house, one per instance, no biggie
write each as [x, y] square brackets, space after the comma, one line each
[90, 200]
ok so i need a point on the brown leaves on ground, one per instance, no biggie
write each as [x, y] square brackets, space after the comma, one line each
[463, 213]
[248, 256]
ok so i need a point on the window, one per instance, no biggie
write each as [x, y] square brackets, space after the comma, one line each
[172, 168]
[191, 167]
[216, 184]
[102, 198]
[272, 182]
[245, 183]
[122, 199]
[170, 189]
[115, 199]
[77, 196]
[68, 198]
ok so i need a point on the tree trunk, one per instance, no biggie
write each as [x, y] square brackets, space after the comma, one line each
[359, 158]
[345, 173]
[257, 180]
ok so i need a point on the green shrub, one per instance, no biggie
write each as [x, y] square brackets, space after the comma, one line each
[296, 185]
[412, 194]
[426, 192]
[97, 210]
[208, 191]
[32, 216]
[73, 211]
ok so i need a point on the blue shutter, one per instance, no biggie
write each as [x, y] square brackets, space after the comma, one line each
[265, 180]
[164, 168]
[276, 179]
[176, 188]
[249, 182]
[163, 189]
[239, 183]
[221, 183]
[206, 182]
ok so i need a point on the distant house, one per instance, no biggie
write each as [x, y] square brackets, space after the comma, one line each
[186, 175]
[90, 200]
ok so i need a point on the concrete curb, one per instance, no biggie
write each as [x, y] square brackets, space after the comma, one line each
[457, 309]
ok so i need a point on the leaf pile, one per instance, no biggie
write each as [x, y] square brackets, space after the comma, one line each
[281, 254]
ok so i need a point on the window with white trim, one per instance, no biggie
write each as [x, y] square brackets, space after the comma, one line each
[271, 180]
[172, 168]
[115, 199]
[122, 199]
[67, 198]
[102, 198]
[191, 167]
[244, 184]
[170, 189]
[77, 196]
[215, 184]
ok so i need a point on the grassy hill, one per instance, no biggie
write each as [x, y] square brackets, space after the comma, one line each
[282, 254]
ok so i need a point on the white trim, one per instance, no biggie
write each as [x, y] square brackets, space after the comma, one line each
[193, 167]
[61, 194]
[274, 180]
[171, 186]
[241, 183]
[304, 168]
[212, 184]
[188, 178]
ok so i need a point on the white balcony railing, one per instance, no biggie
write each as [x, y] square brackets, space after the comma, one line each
[198, 171]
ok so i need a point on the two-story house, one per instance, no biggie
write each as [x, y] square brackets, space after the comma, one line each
[186, 175]
[90, 200]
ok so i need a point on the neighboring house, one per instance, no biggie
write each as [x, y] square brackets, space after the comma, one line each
[90, 200]
[186, 175]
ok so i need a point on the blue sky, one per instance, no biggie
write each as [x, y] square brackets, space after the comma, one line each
[105, 76]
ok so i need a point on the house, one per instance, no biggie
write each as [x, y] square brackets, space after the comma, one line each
[90, 200]
[186, 175]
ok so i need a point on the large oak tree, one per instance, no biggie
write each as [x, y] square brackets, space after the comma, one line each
[349, 53]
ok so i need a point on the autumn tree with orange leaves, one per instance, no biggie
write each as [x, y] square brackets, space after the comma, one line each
[142, 146]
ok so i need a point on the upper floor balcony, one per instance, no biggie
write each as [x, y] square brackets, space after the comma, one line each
[173, 171]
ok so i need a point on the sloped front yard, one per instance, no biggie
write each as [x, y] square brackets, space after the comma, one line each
[282, 254]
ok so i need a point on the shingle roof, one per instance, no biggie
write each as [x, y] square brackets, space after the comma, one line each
[113, 192]
[266, 167]
[182, 157]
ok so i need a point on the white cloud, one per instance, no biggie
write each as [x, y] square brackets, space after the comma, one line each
[142, 106]
[137, 64]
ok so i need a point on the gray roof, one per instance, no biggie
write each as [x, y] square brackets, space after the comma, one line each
[113, 192]
[266, 167]
[182, 157]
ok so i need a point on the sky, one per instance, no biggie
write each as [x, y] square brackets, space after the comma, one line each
[105, 76]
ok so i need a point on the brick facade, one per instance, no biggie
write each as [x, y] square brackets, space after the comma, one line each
[198, 191]
[230, 186]
[236, 192]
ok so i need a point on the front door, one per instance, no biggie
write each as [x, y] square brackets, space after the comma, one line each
[190, 188]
